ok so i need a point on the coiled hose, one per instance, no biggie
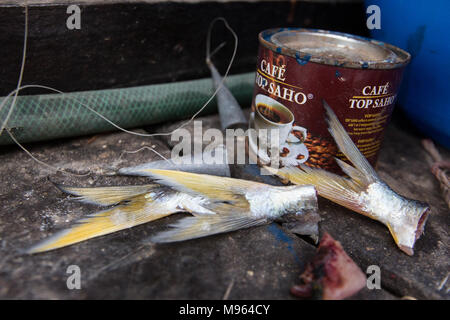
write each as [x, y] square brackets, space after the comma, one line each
[50, 116]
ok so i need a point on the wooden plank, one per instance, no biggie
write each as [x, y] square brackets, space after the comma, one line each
[128, 43]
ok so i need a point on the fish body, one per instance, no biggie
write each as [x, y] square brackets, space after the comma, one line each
[363, 191]
[236, 203]
[217, 204]
[185, 163]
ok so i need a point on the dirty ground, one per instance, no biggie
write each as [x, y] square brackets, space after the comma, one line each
[258, 263]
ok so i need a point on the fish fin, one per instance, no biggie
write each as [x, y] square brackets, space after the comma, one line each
[329, 185]
[356, 175]
[139, 210]
[346, 145]
[224, 189]
[106, 196]
[202, 226]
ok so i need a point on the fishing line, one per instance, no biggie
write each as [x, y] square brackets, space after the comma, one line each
[41, 162]
[82, 104]
[13, 104]
[145, 147]
[208, 39]
[19, 88]
[152, 134]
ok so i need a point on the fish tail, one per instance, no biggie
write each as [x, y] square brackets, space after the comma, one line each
[342, 190]
[202, 226]
[106, 196]
[407, 232]
[347, 146]
[329, 185]
[138, 210]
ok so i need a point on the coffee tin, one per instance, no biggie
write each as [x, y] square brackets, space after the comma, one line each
[358, 77]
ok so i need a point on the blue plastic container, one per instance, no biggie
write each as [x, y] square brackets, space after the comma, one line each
[422, 28]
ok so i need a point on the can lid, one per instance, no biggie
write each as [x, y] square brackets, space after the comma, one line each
[334, 48]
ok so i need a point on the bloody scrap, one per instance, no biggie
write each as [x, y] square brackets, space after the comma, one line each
[331, 275]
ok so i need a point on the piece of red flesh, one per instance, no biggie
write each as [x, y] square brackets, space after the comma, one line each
[331, 275]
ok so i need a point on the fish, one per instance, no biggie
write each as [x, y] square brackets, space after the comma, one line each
[217, 205]
[236, 204]
[230, 113]
[185, 163]
[362, 190]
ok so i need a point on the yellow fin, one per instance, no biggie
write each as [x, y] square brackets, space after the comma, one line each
[346, 145]
[356, 175]
[139, 210]
[106, 196]
[213, 187]
[202, 226]
[329, 185]
[342, 190]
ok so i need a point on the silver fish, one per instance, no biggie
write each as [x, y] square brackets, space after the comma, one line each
[230, 113]
[363, 191]
[218, 204]
[185, 163]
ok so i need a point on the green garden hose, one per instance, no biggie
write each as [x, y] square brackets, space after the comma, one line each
[50, 116]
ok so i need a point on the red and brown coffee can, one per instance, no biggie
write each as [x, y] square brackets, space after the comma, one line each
[358, 77]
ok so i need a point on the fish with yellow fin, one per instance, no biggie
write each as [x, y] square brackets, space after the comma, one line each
[362, 191]
[217, 204]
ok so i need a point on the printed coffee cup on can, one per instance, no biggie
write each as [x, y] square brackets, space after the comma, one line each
[271, 115]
